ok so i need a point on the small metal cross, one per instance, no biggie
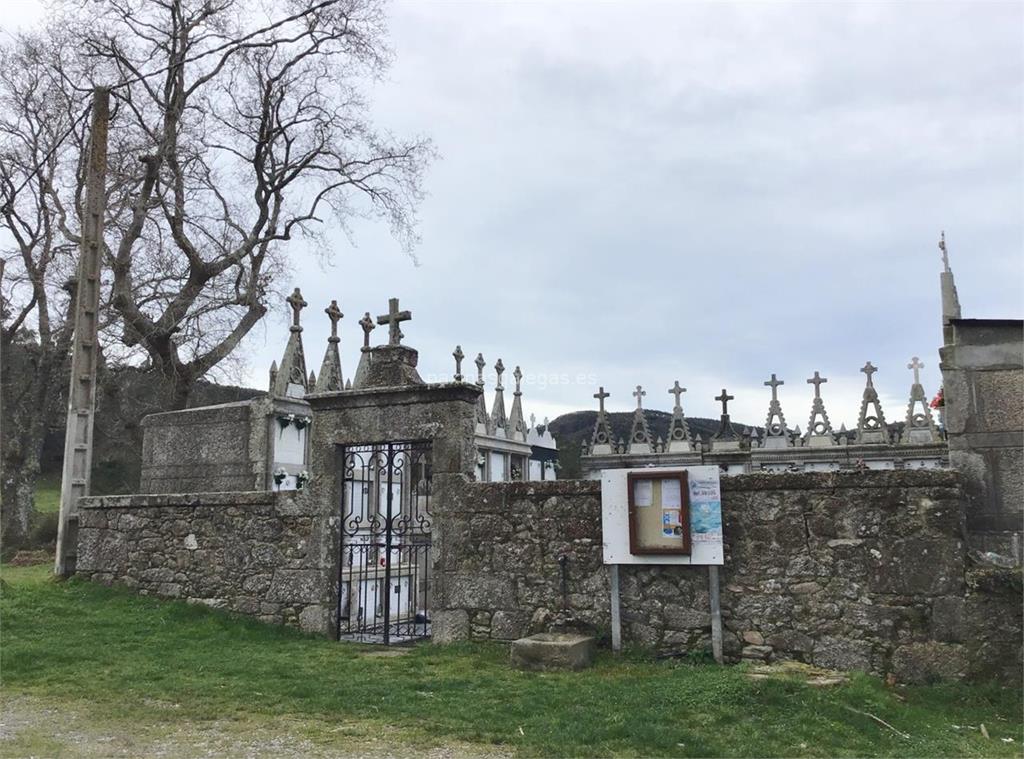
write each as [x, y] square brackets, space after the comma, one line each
[639, 395]
[917, 366]
[601, 395]
[392, 318]
[459, 355]
[817, 381]
[677, 392]
[774, 383]
[868, 369]
[368, 326]
[724, 399]
[297, 303]
[335, 315]
[519, 378]
[480, 364]
[499, 368]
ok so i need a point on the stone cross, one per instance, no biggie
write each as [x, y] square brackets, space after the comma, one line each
[724, 399]
[392, 318]
[639, 395]
[368, 326]
[868, 369]
[945, 253]
[917, 366]
[459, 355]
[519, 378]
[297, 303]
[817, 380]
[774, 383]
[480, 364]
[533, 421]
[335, 315]
[677, 392]
[499, 368]
[601, 395]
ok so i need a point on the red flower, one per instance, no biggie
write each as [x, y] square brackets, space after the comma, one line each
[938, 401]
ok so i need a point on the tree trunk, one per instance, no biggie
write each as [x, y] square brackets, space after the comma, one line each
[19, 495]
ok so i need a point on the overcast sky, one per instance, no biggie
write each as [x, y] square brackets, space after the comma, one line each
[634, 194]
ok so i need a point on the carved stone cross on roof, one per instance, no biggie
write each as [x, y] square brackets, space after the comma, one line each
[499, 369]
[368, 326]
[601, 395]
[724, 399]
[677, 392]
[868, 369]
[458, 355]
[393, 318]
[817, 380]
[639, 395]
[518, 374]
[335, 315]
[297, 303]
[945, 253]
[480, 364]
[774, 383]
[917, 366]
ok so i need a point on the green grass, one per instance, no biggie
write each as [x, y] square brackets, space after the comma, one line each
[48, 494]
[123, 658]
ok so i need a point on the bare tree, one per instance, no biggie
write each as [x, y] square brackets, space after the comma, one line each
[237, 126]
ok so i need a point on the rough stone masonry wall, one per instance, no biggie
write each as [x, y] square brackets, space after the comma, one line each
[859, 570]
[262, 554]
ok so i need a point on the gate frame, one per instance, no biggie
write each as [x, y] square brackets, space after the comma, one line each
[424, 446]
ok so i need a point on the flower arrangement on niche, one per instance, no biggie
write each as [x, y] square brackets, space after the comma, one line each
[300, 422]
[301, 479]
[280, 475]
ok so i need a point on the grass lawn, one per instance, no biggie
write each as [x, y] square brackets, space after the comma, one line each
[48, 494]
[127, 661]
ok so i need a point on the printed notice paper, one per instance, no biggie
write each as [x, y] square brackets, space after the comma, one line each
[643, 492]
[671, 497]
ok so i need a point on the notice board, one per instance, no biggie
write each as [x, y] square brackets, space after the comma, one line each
[662, 515]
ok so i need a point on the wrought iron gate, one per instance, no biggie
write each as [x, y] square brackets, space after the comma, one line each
[384, 574]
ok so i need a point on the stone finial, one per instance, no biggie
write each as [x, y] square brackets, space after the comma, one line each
[273, 374]
[330, 379]
[516, 428]
[458, 356]
[945, 253]
[480, 364]
[335, 315]
[297, 303]
[776, 434]
[677, 391]
[518, 376]
[871, 426]
[819, 428]
[678, 430]
[368, 326]
[639, 394]
[312, 378]
[348, 384]
[499, 420]
[533, 421]
[601, 440]
[640, 440]
[393, 318]
[950, 298]
[919, 425]
[725, 438]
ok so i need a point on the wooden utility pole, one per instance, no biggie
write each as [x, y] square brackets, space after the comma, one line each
[82, 393]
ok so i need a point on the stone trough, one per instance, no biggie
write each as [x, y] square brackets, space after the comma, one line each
[546, 651]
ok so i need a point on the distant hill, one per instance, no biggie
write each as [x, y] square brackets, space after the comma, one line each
[570, 430]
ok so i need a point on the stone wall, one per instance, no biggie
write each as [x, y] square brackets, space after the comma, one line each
[983, 388]
[263, 554]
[854, 570]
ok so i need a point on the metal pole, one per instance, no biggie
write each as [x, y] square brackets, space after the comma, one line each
[616, 609]
[78, 436]
[716, 614]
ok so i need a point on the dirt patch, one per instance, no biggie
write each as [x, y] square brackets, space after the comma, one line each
[31, 727]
